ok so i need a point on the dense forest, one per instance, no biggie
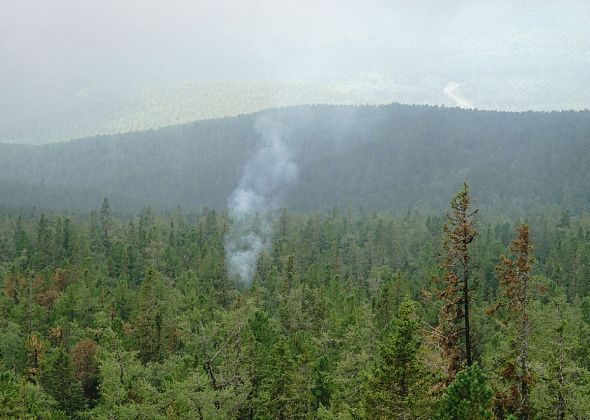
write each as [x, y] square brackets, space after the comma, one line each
[311, 209]
[354, 314]
[386, 158]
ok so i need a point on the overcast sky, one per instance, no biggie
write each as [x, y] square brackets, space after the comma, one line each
[61, 48]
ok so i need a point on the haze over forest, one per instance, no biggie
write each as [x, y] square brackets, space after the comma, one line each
[333, 210]
[393, 158]
[77, 69]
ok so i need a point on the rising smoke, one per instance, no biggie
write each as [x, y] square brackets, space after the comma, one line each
[265, 180]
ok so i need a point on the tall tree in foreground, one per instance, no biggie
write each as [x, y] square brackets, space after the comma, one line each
[515, 281]
[468, 397]
[454, 331]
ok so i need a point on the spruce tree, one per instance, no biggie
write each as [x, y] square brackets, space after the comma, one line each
[468, 397]
[60, 381]
[282, 394]
[515, 282]
[563, 382]
[454, 329]
[397, 384]
[148, 324]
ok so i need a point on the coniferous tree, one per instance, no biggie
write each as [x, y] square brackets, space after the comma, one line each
[106, 221]
[563, 385]
[60, 381]
[124, 389]
[331, 346]
[454, 329]
[149, 321]
[68, 238]
[281, 395]
[515, 282]
[83, 356]
[21, 238]
[264, 337]
[36, 353]
[20, 399]
[43, 248]
[468, 397]
[397, 385]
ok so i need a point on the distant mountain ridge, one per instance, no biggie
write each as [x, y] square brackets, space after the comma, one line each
[391, 157]
[89, 114]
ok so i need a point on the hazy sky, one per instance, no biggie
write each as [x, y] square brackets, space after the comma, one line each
[52, 50]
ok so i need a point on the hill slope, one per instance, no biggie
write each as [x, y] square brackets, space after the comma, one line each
[88, 114]
[391, 157]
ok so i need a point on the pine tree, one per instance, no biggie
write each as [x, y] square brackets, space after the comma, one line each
[68, 238]
[36, 352]
[281, 394]
[515, 282]
[20, 399]
[563, 385]
[83, 356]
[43, 246]
[106, 221]
[57, 249]
[59, 380]
[264, 337]
[397, 385]
[149, 321]
[125, 391]
[21, 239]
[454, 330]
[468, 397]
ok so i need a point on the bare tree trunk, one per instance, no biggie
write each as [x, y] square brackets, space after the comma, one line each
[454, 317]
[466, 308]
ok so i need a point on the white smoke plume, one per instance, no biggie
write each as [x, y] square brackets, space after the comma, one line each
[451, 90]
[265, 180]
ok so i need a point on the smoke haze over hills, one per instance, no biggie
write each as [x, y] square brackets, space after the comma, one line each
[73, 69]
[390, 157]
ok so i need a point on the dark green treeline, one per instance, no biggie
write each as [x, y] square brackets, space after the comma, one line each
[109, 318]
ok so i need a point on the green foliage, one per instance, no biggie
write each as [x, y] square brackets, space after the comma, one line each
[397, 385]
[562, 380]
[149, 322]
[24, 400]
[59, 381]
[336, 324]
[468, 397]
[391, 157]
[124, 387]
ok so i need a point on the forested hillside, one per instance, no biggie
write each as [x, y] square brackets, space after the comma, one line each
[311, 210]
[89, 114]
[390, 157]
[105, 317]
